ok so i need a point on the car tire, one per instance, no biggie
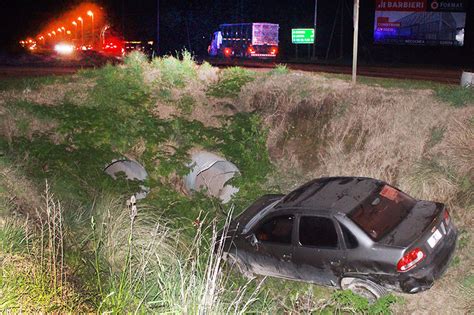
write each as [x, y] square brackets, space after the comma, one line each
[236, 263]
[365, 288]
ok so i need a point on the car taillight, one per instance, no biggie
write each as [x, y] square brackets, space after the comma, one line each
[227, 52]
[446, 217]
[274, 51]
[251, 50]
[410, 260]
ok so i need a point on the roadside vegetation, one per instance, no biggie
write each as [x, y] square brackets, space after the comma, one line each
[70, 243]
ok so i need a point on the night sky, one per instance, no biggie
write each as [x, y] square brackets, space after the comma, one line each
[183, 23]
[189, 24]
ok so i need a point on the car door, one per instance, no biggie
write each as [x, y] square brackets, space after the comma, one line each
[318, 254]
[272, 252]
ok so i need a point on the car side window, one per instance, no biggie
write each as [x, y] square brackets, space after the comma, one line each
[276, 230]
[317, 232]
[349, 238]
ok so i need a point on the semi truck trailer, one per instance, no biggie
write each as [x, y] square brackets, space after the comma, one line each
[245, 40]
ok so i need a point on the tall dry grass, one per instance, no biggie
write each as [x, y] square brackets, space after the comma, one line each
[21, 193]
[51, 225]
[365, 131]
[32, 251]
[142, 264]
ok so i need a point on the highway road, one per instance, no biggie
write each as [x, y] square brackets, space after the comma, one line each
[441, 75]
[29, 71]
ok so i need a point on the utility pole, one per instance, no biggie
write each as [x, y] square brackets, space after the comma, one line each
[157, 27]
[341, 35]
[314, 25]
[123, 19]
[356, 41]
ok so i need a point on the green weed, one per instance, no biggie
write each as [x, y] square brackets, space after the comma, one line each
[436, 136]
[231, 82]
[175, 72]
[279, 69]
[186, 104]
[458, 96]
[463, 238]
[467, 290]
[12, 238]
[25, 288]
[347, 301]
[468, 281]
[292, 296]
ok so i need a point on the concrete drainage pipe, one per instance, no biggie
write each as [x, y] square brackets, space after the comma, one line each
[467, 79]
[132, 170]
[212, 172]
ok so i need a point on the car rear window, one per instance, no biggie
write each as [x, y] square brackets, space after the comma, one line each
[381, 212]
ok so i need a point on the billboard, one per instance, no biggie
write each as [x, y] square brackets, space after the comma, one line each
[420, 22]
[302, 35]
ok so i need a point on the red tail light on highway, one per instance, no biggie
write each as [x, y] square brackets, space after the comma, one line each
[410, 260]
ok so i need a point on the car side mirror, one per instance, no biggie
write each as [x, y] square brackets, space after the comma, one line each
[253, 240]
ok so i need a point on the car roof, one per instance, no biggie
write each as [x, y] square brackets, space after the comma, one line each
[334, 194]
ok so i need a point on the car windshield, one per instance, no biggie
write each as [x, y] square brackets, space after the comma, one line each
[382, 211]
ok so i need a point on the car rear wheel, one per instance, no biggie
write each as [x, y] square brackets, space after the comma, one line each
[365, 288]
[236, 263]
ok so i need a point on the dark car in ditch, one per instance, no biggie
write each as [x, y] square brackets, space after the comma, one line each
[352, 233]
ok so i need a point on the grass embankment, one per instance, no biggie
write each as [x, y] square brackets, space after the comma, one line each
[279, 128]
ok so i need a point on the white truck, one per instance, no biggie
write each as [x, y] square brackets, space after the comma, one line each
[245, 40]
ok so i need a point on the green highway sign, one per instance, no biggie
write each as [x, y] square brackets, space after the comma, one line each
[302, 35]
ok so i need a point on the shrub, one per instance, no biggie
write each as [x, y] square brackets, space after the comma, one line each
[174, 72]
[279, 69]
[231, 82]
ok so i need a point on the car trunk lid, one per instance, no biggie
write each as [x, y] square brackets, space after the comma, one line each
[434, 243]
[416, 226]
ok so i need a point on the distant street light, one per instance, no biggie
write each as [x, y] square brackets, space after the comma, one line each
[91, 14]
[82, 30]
[75, 26]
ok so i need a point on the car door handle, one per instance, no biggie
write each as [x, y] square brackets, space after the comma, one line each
[286, 257]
